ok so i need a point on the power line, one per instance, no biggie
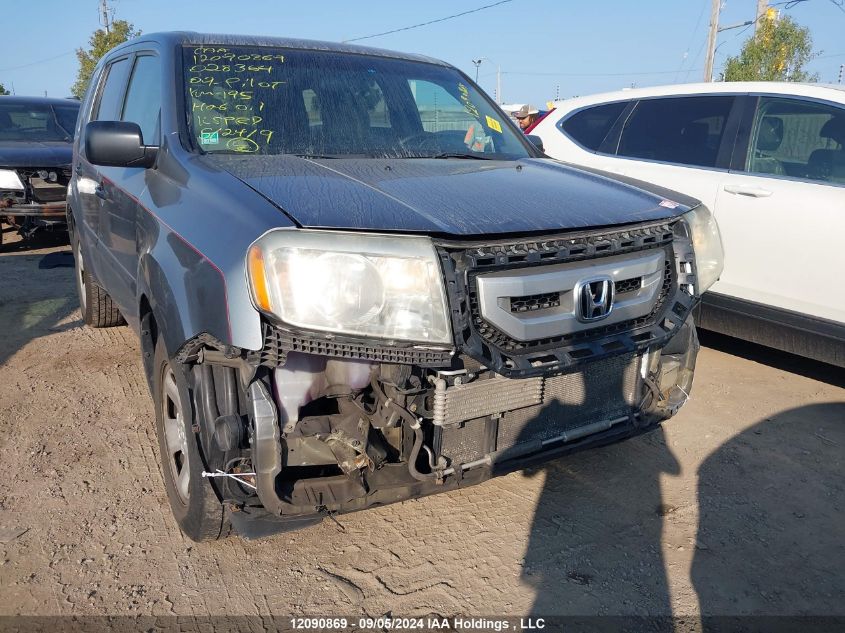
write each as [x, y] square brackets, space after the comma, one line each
[415, 26]
[788, 4]
[692, 37]
[40, 61]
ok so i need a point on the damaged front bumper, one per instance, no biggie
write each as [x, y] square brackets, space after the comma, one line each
[48, 211]
[315, 423]
[320, 435]
[35, 198]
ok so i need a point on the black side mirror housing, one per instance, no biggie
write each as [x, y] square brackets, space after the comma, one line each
[118, 144]
[536, 141]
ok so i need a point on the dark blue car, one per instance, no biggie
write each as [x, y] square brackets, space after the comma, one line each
[36, 143]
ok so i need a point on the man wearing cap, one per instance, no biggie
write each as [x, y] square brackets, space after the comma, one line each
[526, 116]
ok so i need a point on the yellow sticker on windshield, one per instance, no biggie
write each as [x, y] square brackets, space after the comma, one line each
[493, 124]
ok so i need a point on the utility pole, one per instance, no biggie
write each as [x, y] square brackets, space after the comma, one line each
[762, 8]
[711, 39]
[104, 10]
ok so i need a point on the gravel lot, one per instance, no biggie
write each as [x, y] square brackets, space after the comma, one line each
[735, 507]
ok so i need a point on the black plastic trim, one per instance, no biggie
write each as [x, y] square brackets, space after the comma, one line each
[278, 342]
[786, 330]
[479, 340]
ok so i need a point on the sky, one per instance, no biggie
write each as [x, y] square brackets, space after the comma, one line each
[544, 48]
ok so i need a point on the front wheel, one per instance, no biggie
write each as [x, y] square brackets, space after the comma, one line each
[195, 506]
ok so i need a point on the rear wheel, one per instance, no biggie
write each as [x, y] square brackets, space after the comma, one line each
[195, 506]
[97, 307]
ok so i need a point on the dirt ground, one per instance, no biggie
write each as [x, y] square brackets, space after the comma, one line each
[735, 507]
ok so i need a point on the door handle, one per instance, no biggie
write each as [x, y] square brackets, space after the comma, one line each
[748, 190]
[100, 192]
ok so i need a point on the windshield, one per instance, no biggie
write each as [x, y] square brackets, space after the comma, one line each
[37, 122]
[258, 100]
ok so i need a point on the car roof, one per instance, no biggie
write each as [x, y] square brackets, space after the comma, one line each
[37, 100]
[820, 91]
[179, 38]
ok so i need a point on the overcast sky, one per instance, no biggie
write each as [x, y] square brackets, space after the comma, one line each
[542, 47]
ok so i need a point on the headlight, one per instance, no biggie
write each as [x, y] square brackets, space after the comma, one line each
[10, 180]
[707, 245]
[361, 285]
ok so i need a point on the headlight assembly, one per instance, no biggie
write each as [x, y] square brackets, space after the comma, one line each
[707, 245]
[9, 179]
[380, 286]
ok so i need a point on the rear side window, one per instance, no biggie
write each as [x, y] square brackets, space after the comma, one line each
[684, 130]
[798, 138]
[111, 98]
[143, 97]
[590, 126]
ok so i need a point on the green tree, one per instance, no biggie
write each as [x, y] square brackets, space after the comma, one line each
[100, 43]
[3, 90]
[778, 52]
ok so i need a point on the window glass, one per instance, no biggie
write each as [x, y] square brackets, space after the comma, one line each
[361, 108]
[263, 100]
[143, 97]
[685, 130]
[590, 126]
[66, 116]
[36, 122]
[798, 138]
[438, 109]
[108, 108]
[312, 107]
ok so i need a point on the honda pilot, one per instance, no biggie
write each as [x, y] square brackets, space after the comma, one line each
[355, 282]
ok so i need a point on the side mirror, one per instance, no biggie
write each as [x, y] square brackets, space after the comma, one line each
[536, 141]
[118, 144]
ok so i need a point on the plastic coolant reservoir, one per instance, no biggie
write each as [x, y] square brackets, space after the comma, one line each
[296, 383]
[304, 376]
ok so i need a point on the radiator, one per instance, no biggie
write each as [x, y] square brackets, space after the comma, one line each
[535, 408]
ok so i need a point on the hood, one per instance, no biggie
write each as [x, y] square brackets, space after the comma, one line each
[443, 196]
[35, 154]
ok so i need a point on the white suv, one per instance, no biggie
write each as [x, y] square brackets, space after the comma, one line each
[769, 160]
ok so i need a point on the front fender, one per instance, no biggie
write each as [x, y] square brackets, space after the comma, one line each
[186, 292]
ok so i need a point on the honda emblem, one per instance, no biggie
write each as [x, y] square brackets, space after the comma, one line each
[594, 299]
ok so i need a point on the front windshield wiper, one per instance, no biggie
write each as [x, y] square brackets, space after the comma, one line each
[459, 155]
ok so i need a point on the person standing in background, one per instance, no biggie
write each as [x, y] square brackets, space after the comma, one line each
[526, 116]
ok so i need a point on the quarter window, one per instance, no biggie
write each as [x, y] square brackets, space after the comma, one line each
[797, 138]
[590, 126]
[684, 130]
[111, 98]
[143, 97]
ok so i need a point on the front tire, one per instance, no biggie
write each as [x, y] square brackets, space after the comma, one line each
[98, 309]
[195, 506]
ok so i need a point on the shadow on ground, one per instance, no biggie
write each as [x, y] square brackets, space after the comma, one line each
[595, 543]
[33, 302]
[771, 507]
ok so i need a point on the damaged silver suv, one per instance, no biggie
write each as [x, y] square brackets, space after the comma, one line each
[355, 282]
